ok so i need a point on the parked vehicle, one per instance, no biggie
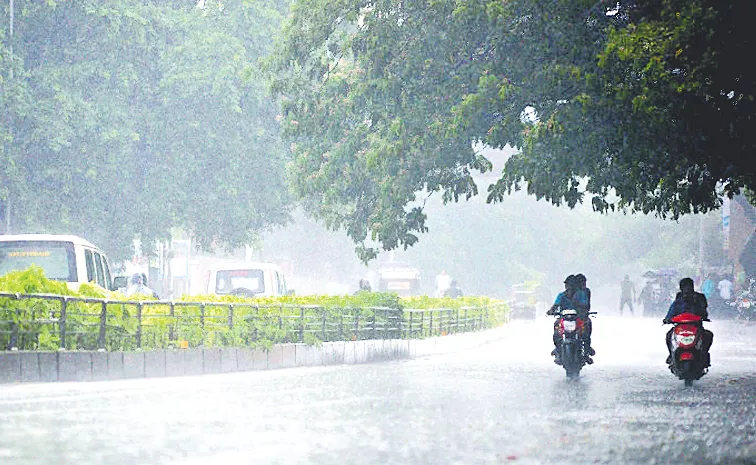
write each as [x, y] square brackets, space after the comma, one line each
[523, 302]
[687, 355]
[573, 346]
[399, 278]
[62, 257]
[246, 280]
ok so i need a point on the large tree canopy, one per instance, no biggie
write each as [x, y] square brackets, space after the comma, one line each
[129, 118]
[638, 106]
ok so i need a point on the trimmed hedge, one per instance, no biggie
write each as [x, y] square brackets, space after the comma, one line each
[46, 315]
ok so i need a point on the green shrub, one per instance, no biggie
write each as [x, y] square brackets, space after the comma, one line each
[33, 323]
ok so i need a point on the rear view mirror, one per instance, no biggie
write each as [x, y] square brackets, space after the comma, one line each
[120, 282]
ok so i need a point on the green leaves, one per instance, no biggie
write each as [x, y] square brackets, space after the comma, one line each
[627, 110]
[139, 117]
[36, 322]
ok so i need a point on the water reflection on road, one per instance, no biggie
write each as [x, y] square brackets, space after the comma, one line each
[505, 402]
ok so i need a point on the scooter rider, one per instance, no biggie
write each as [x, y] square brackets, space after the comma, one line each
[564, 300]
[689, 301]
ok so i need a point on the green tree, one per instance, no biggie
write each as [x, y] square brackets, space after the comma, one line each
[627, 106]
[142, 116]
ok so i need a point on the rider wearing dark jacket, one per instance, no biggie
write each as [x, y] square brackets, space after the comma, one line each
[689, 301]
[583, 303]
[577, 298]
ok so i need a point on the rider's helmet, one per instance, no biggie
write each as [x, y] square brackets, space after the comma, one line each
[569, 282]
[686, 285]
[136, 279]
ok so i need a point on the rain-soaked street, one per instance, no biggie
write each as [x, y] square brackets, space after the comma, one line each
[505, 402]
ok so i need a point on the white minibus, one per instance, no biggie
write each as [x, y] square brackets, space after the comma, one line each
[62, 257]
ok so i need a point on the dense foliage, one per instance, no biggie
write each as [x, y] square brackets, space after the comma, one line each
[123, 119]
[34, 323]
[639, 106]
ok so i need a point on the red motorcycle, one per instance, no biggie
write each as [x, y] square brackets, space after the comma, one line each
[573, 350]
[687, 357]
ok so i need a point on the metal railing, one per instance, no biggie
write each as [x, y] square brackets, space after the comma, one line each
[50, 322]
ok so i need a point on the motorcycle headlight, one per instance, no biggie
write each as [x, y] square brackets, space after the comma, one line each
[746, 304]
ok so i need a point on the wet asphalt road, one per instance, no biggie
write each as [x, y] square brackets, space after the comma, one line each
[505, 402]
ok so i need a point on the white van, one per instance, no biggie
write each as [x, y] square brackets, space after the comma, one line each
[246, 280]
[62, 257]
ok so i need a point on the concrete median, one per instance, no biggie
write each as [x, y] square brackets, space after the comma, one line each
[34, 367]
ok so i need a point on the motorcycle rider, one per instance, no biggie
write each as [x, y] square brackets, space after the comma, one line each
[568, 300]
[689, 301]
[583, 304]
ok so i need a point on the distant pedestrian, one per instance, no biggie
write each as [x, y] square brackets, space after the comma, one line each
[443, 281]
[627, 295]
[453, 291]
[646, 298]
[725, 288]
[364, 286]
[138, 287]
[708, 287]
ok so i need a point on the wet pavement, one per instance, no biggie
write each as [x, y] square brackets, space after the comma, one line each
[505, 402]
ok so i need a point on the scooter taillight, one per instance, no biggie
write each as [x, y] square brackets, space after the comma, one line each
[685, 335]
[686, 356]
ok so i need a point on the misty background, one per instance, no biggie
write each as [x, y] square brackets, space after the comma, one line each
[490, 247]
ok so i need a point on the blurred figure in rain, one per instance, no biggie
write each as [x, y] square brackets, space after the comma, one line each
[707, 287]
[453, 291]
[725, 288]
[137, 287]
[443, 281]
[646, 298]
[364, 286]
[627, 295]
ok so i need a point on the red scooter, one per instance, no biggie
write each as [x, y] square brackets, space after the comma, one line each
[687, 358]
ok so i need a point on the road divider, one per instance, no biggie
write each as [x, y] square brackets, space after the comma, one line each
[37, 366]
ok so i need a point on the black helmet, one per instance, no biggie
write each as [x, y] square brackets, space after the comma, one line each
[686, 284]
[570, 281]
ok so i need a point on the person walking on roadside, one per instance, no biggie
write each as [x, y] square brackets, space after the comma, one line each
[646, 298]
[627, 295]
[708, 287]
[443, 281]
[725, 288]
